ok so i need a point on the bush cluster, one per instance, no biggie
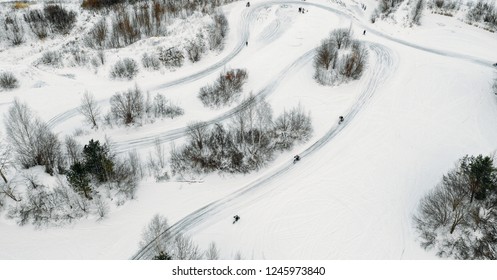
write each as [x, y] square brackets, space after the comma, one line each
[225, 90]
[339, 58]
[245, 145]
[8, 81]
[126, 68]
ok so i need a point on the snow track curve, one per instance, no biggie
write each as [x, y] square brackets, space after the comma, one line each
[383, 67]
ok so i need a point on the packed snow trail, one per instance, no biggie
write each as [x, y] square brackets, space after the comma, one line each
[384, 65]
[477, 60]
[123, 146]
[247, 17]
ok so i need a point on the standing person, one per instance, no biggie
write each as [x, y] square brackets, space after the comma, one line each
[364, 32]
[246, 43]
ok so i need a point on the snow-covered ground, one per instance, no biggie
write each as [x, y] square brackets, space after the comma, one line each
[424, 101]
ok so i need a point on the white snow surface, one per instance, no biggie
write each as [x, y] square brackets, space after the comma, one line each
[424, 101]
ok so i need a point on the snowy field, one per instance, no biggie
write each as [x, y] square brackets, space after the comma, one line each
[424, 101]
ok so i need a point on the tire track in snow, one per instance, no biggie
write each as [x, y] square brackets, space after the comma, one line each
[383, 67]
[123, 146]
[248, 16]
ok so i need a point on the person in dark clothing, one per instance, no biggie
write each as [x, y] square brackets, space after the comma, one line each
[248, 4]
[246, 43]
[296, 158]
[236, 217]
[364, 32]
[340, 119]
[300, 10]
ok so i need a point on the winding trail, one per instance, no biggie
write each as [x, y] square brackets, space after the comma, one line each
[247, 17]
[383, 67]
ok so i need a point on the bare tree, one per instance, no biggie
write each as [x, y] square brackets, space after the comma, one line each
[156, 233]
[127, 106]
[14, 30]
[451, 222]
[417, 12]
[292, 126]
[341, 37]
[98, 35]
[89, 109]
[326, 55]
[31, 139]
[5, 160]
[184, 249]
[21, 126]
[102, 207]
[195, 48]
[354, 63]
[73, 150]
[212, 252]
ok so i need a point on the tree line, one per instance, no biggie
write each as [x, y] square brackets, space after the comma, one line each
[458, 217]
[245, 144]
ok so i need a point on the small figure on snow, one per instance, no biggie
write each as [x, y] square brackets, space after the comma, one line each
[296, 158]
[236, 218]
[300, 10]
[248, 4]
[364, 32]
[246, 43]
[340, 119]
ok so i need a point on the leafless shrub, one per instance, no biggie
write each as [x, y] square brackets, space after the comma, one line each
[156, 163]
[73, 150]
[101, 207]
[291, 127]
[79, 57]
[183, 248]
[195, 48]
[61, 20]
[163, 108]
[353, 64]
[341, 37]
[8, 81]
[124, 30]
[156, 233]
[44, 207]
[330, 68]
[32, 141]
[89, 109]
[126, 176]
[97, 36]
[212, 252]
[51, 58]
[225, 90]
[151, 61]
[126, 68]
[417, 12]
[218, 31]
[127, 106]
[14, 30]
[171, 57]
[37, 22]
